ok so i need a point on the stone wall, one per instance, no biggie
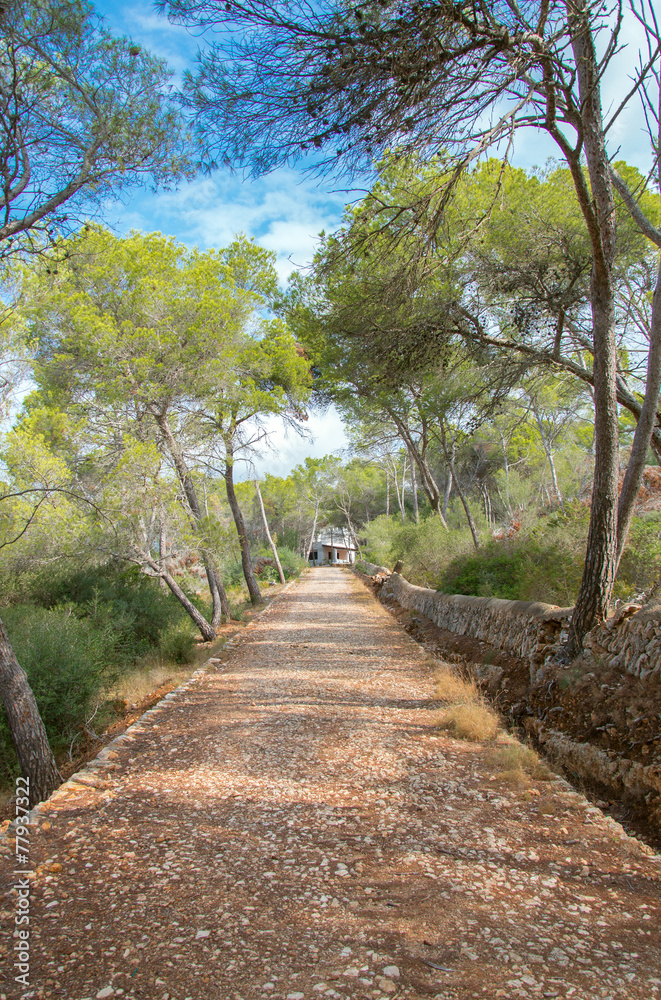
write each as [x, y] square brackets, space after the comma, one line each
[527, 629]
[371, 569]
[630, 640]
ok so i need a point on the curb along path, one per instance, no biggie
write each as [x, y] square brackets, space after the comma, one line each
[290, 824]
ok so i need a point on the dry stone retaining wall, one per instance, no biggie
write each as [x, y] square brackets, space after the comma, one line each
[631, 640]
[527, 629]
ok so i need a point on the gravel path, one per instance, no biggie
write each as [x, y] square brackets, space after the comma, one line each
[292, 825]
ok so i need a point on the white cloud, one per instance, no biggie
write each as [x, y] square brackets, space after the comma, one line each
[282, 211]
[325, 435]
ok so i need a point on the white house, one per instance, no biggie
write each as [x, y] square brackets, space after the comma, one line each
[334, 546]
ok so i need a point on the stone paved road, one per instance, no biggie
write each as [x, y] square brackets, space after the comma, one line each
[292, 825]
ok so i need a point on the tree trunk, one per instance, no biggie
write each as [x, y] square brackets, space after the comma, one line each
[449, 458]
[246, 562]
[446, 494]
[397, 491]
[427, 481]
[352, 534]
[268, 533]
[548, 451]
[387, 493]
[25, 725]
[219, 600]
[414, 492]
[314, 528]
[208, 632]
[599, 212]
[633, 405]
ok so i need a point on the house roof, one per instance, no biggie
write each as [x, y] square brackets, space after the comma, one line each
[338, 537]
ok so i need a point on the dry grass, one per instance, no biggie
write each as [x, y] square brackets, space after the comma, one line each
[516, 763]
[467, 716]
[136, 686]
[477, 722]
[452, 686]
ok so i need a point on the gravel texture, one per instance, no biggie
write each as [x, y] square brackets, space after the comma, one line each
[291, 824]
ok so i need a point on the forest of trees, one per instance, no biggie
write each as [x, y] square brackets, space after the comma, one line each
[491, 336]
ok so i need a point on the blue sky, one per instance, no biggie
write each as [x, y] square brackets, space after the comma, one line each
[286, 210]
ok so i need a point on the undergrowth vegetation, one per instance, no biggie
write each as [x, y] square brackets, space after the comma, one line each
[543, 561]
[78, 635]
[465, 712]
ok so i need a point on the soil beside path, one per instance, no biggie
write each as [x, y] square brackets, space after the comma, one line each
[293, 825]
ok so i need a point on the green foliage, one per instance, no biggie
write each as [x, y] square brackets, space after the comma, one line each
[526, 569]
[424, 548]
[177, 644]
[128, 608]
[543, 562]
[64, 658]
[380, 538]
[292, 564]
[80, 631]
[111, 123]
[640, 566]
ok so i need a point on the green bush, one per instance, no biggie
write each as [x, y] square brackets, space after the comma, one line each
[640, 566]
[233, 574]
[65, 661]
[130, 609]
[489, 573]
[380, 537]
[528, 568]
[178, 644]
[542, 562]
[425, 548]
[94, 625]
[292, 564]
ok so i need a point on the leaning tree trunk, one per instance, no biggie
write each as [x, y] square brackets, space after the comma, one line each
[246, 561]
[219, 599]
[427, 481]
[268, 533]
[446, 494]
[312, 533]
[220, 604]
[207, 630]
[25, 725]
[598, 208]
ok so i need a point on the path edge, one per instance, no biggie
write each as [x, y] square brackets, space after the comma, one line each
[104, 760]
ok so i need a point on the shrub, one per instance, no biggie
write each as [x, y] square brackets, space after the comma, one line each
[233, 574]
[64, 659]
[380, 536]
[178, 644]
[533, 568]
[129, 608]
[292, 564]
[640, 565]
[425, 548]
[494, 572]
